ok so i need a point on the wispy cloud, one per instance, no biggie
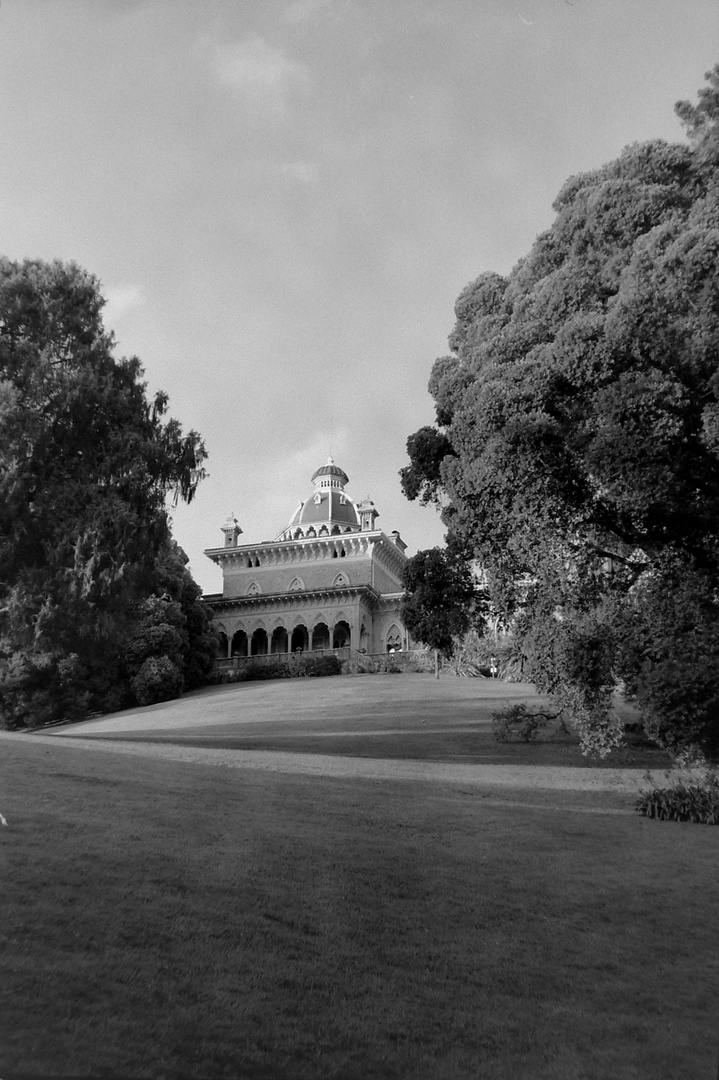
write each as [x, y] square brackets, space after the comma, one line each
[259, 71]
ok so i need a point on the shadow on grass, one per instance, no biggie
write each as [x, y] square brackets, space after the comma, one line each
[170, 920]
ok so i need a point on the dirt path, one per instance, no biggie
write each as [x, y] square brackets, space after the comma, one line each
[485, 776]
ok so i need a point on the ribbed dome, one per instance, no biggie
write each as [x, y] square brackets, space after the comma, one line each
[328, 509]
[329, 470]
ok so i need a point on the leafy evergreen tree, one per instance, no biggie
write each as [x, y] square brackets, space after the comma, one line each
[579, 416]
[440, 599]
[86, 465]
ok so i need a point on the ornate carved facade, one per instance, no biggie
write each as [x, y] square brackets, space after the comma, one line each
[329, 580]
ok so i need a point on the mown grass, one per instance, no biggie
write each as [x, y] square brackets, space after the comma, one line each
[454, 745]
[382, 716]
[166, 920]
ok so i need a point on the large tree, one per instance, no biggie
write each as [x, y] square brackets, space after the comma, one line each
[577, 438]
[441, 599]
[87, 462]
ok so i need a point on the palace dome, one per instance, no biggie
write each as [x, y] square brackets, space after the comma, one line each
[328, 509]
[329, 471]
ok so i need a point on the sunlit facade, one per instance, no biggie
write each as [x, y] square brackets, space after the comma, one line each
[330, 580]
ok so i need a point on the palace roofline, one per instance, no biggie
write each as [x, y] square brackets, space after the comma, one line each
[376, 534]
[298, 596]
[277, 552]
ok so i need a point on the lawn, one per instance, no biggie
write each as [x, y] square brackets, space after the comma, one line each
[384, 716]
[180, 920]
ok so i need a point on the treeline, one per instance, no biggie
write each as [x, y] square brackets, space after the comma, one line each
[576, 448]
[97, 607]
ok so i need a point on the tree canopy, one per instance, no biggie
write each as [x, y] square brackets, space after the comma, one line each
[87, 462]
[577, 438]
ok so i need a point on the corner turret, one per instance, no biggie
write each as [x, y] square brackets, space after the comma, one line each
[368, 514]
[231, 530]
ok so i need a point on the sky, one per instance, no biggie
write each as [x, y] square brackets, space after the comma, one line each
[282, 200]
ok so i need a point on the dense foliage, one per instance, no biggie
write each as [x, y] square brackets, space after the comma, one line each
[683, 799]
[291, 666]
[577, 439]
[91, 584]
[441, 599]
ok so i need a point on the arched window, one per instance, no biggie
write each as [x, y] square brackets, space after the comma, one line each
[321, 636]
[239, 644]
[279, 641]
[341, 635]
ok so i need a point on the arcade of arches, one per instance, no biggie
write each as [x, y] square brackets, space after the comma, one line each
[300, 638]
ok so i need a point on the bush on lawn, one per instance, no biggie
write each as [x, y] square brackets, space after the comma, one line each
[157, 680]
[683, 799]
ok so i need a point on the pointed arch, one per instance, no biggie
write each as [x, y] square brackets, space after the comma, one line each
[299, 639]
[279, 640]
[321, 637]
[341, 634]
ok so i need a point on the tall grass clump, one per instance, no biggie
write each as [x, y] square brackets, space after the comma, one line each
[685, 797]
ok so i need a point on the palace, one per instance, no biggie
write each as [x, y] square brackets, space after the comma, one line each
[330, 580]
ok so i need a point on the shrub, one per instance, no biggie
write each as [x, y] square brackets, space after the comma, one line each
[473, 655]
[290, 667]
[695, 799]
[321, 665]
[157, 680]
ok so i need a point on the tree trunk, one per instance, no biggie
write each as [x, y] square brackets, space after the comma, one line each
[436, 663]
